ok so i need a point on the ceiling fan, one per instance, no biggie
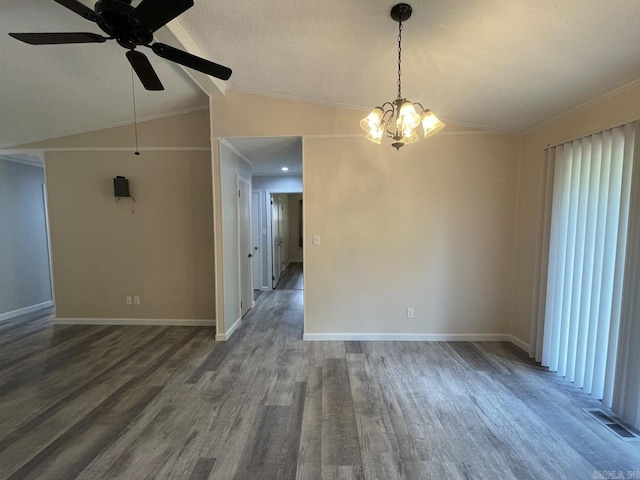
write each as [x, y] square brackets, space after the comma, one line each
[131, 27]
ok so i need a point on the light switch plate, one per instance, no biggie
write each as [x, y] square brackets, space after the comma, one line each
[316, 239]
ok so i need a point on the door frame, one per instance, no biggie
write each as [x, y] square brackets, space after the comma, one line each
[260, 223]
[269, 223]
[248, 182]
[276, 245]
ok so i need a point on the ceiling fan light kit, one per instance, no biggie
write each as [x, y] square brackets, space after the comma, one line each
[131, 27]
[399, 118]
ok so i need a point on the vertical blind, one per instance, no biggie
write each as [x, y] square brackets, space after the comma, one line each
[581, 253]
[626, 395]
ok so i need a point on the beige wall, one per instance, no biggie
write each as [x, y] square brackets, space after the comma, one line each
[437, 225]
[616, 108]
[430, 226]
[189, 130]
[162, 253]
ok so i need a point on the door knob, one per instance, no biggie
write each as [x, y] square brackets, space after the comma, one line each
[250, 255]
[255, 248]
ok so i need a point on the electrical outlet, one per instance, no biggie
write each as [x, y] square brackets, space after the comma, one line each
[410, 312]
[136, 300]
[127, 299]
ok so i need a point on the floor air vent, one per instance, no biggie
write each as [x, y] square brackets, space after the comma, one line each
[613, 425]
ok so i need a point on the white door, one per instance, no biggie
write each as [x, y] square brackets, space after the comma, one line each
[256, 229]
[245, 250]
[276, 238]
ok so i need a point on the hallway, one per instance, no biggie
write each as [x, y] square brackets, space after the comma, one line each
[111, 402]
[292, 277]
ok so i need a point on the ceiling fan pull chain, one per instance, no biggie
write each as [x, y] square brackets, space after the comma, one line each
[135, 115]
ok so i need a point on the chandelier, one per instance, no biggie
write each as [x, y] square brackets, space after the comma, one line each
[399, 119]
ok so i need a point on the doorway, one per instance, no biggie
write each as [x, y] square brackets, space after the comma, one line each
[271, 166]
[279, 217]
[286, 248]
[245, 251]
[256, 235]
[24, 235]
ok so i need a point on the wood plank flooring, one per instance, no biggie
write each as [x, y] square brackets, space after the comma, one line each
[291, 278]
[91, 402]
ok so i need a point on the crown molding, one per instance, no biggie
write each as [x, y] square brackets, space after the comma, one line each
[235, 150]
[577, 108]
[23, 161]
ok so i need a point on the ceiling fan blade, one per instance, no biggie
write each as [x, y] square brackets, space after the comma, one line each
[144, 70]
[183, 58]
[58, 38]
[157, 13]
[79, 8]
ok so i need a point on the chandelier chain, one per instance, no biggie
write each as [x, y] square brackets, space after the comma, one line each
[399, 60]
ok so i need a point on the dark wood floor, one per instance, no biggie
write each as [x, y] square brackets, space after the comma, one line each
[169, 402]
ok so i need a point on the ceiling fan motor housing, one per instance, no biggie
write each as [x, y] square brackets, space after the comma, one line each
[115, 18]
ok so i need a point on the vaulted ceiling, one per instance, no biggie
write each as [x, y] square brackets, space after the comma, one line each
[499, 64]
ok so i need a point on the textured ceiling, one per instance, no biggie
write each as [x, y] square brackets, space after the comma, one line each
[51, 91]
[269, 155]
[502, 64]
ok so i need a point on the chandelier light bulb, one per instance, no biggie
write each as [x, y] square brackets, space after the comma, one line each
[372, 121]
[430, 123]
[410, 138]
[408, 118]
[375, 135]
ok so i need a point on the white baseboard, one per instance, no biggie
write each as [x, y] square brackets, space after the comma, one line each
[265, 289]
[175, 322]
[414, 337]
[223, 337]
[519, 343]
[25, 310]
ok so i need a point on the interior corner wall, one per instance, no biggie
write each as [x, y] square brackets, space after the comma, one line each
[103, 252]
[430, 226]
[231, 165]
[611, 110]
[24, 256]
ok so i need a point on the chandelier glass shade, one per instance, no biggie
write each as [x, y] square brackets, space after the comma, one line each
[399, 118]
